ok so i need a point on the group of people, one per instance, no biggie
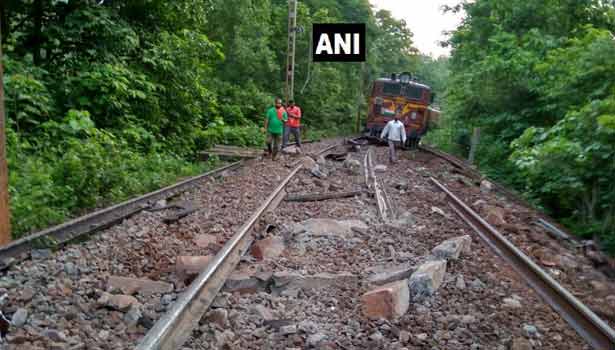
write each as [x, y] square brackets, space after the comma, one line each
[280, 122]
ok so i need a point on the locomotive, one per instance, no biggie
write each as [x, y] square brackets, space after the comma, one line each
[403, 96]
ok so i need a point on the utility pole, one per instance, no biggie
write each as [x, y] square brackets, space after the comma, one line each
[5, 222]
[290, 62]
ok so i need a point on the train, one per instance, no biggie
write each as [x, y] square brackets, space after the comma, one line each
[402, 95]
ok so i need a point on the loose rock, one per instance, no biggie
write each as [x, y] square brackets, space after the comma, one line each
[187, 266]
[143, 286]
[380, 168]
[268, 248]
[452, 248]
[389, 301]
[427, 278]
[391, 275]
[117, 302]
[20, 317]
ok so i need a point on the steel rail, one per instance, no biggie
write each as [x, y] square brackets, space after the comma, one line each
[384, 206]
[587, 324]
[548, 222]
[172, 330]
[90, 223]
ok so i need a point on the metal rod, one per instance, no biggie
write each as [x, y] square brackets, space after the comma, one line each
[587, 324]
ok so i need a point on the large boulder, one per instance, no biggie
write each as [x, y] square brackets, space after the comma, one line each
[268, 248]
[143, 286]
[427, 278]
[392, 274]
[452, 248]
[328, 227]
[389, 301]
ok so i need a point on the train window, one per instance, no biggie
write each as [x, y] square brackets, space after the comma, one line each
[413, 92]
[391, 89]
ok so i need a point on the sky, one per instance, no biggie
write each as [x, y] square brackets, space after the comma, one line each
[426, 21]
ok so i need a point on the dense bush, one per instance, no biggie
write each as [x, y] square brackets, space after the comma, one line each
[538, 78]
[109, 99]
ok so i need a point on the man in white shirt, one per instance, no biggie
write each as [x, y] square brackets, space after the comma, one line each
[395, 134]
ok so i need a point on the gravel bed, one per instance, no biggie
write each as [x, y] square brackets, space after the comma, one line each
[584, 272]
[482, 303]
[62, 299]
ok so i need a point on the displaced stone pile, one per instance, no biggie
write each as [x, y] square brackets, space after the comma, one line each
[330, 275]
[107, 292]
[323, 272]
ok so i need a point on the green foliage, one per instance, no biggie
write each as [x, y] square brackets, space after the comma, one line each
[538, 78]
[108, 100]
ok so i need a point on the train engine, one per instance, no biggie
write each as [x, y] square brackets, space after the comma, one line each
[401, 95]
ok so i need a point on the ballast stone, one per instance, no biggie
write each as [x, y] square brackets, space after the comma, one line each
[380, 168]
[392, 275]
[452, 248]
[143, 286]
[427, 278]
[187, 266]
[389, 301]
[268, 248]
[328, 227]
[117, 302]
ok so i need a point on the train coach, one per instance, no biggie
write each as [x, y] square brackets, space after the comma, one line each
[401, 95]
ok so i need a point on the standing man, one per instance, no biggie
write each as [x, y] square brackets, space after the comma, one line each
[293, 126]
[396, 136]
[274, 125]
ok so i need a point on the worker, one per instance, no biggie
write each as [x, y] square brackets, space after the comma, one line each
[395, 134]
[293, 125]
[274, 125]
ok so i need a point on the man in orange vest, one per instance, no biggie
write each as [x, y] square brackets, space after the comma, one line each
[293, 125]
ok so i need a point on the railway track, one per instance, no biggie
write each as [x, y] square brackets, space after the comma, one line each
[61, 234]
[311, 293]
[474, 174]
[587, 324]
[175, 327]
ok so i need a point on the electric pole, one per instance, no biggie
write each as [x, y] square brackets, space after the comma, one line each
[290, 62]
[5, 222]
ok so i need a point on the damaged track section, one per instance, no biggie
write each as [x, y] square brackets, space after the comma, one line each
[171, 331]
[593, 329]
[175, 327]
[101, 219]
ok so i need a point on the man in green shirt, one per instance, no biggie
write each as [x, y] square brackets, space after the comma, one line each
[274, 124]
